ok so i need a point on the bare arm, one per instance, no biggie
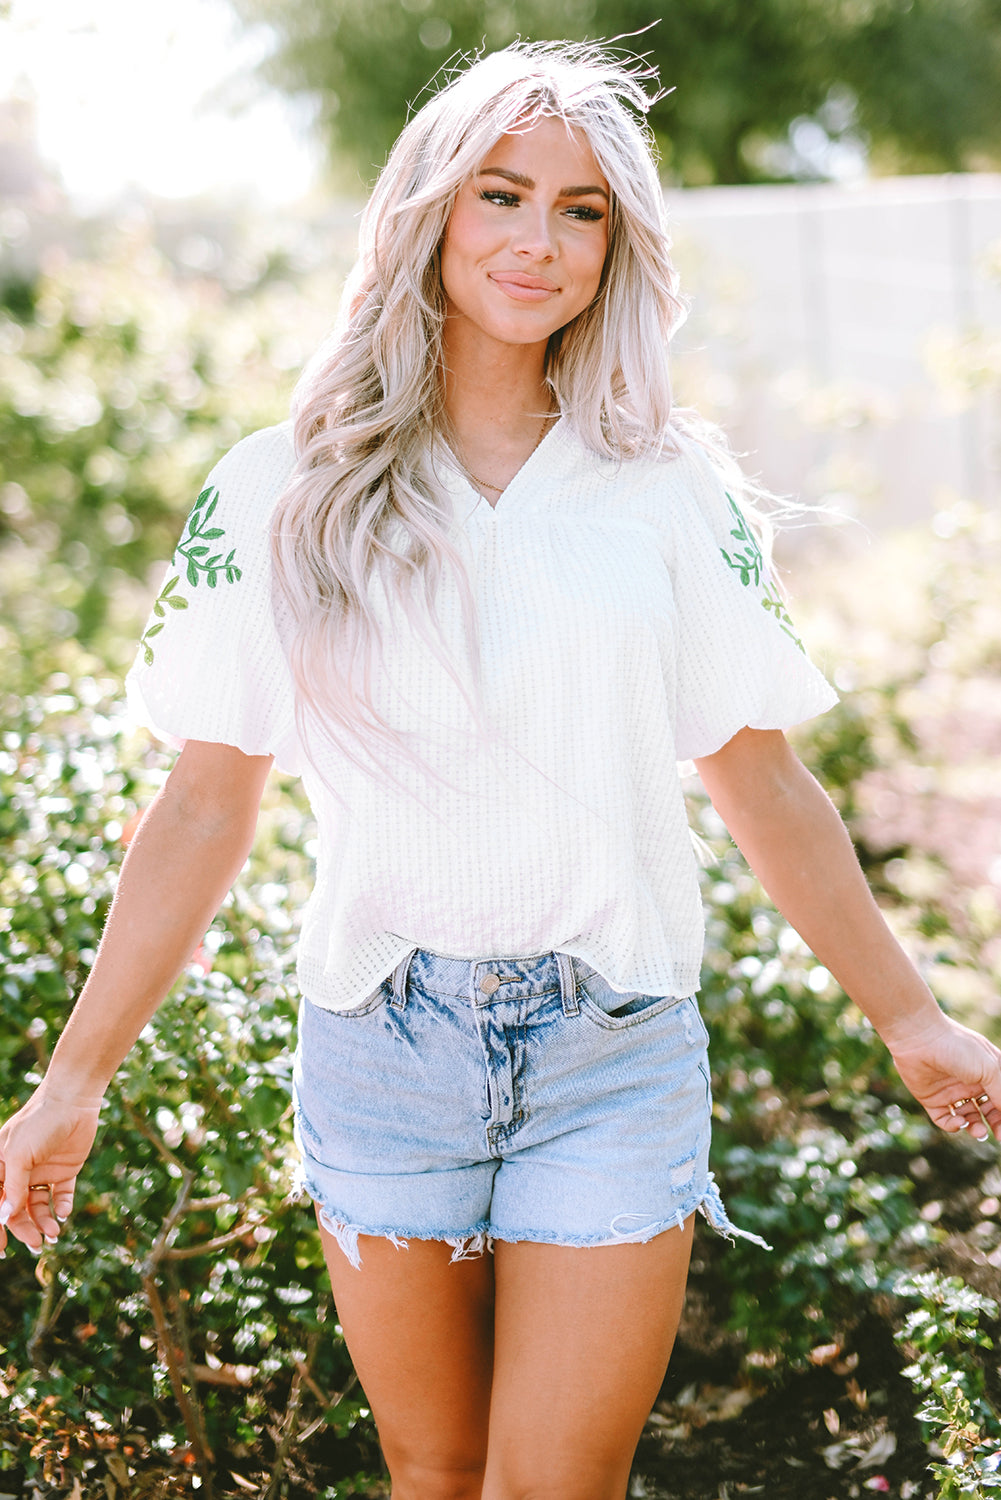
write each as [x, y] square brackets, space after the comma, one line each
[188, 850]
[792, 837]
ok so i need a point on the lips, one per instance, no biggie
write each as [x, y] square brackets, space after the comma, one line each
[523, 288]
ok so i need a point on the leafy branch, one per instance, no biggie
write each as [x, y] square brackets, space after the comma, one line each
[194, 548]
[941, 1333]
[750, 564]
[166, 599]
[200, 558]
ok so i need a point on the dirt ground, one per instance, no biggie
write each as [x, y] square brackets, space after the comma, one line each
[842, 1428]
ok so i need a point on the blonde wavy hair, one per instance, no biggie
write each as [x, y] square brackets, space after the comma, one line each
[363, 505]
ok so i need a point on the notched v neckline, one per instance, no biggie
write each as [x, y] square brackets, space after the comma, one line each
[531, 462]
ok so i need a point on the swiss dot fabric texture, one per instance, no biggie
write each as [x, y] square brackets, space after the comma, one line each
[624, 625]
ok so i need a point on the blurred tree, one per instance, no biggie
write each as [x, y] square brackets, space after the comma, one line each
[918, 81]
[122, 380]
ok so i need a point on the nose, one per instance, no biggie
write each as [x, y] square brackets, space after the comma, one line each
[534, 237]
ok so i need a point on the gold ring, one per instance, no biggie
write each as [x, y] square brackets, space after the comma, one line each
[40, 1187]
[958, 1103]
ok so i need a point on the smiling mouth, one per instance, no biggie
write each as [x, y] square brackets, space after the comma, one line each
[523, 288]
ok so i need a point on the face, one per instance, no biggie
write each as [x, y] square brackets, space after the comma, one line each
[526, 241]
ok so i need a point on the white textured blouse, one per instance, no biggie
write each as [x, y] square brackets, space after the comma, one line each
[626, 622]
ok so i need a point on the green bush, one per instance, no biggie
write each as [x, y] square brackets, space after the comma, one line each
[121, 383]
[942, 1334]
[181, 1316]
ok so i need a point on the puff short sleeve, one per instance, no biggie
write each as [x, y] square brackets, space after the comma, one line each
[211, 665]
[740, 661]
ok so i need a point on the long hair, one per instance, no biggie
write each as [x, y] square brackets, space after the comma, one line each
[363, 517]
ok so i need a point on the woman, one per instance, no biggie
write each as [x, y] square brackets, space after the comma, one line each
[483, 597]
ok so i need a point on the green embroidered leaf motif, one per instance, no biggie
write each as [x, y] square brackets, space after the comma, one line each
[168, 597]
[750, 566]
[193, 554]
[194, 547]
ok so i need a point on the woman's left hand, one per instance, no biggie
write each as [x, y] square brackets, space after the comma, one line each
[955, 1073]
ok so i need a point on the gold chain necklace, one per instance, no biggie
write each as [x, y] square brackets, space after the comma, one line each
[484, 484]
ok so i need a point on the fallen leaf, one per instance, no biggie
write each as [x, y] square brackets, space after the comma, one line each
[823, 1354]
[832, 1421]
[856, 1395]
[118, 1467]
[241, 1483]
[883, 1448]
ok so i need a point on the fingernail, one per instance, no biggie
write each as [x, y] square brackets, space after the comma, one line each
[984, 1137]
[36, 1249]
[52, 1239]
[61, 1218]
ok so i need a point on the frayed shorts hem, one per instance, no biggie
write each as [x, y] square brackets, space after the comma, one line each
[470, 1243]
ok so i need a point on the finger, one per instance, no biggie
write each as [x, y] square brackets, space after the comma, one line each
[41, 1208]
[970, 1113]
[62, 1201]
[981, 1128]
[14, 1214]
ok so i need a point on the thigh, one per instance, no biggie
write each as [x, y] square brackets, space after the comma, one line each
[583, 1338]
[419, 1329]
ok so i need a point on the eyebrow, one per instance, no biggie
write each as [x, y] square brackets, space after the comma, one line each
[520, 180]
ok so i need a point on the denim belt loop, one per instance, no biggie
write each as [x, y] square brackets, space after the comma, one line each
[568, 985]
[398, 980]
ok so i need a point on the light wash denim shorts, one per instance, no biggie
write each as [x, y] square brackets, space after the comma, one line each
[500, 1099]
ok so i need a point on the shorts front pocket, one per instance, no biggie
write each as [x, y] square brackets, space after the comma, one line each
[377, 999]
[617, 1011]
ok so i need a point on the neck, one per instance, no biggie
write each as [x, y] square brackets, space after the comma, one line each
[492, 386]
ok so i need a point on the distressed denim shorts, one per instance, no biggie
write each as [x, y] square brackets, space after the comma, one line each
[504, 1100]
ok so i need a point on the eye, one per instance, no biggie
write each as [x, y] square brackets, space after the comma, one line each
[499, 196]
[585, 213]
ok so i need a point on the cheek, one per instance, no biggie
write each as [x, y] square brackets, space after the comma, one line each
[590, 267]
[460, 248]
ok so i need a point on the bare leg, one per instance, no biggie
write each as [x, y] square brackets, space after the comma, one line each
[582, 1341]
[420, 1333]
[582, 1337]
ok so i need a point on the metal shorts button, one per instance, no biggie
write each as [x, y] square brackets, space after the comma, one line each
[489, 984]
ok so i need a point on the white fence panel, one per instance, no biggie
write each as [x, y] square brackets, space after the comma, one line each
[849, 337]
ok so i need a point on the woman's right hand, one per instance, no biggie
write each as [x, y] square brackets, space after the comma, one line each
[42, 1149]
